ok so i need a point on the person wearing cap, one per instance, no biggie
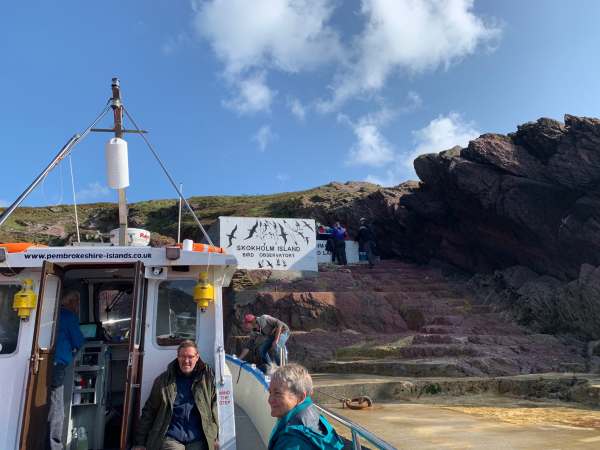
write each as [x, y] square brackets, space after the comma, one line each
[366, 241]
[276, 333]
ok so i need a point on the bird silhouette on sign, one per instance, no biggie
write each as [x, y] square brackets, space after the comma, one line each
[283, 234]
[278, 263]
[260, 266]
[308, 225]
[283, 262]
[251, 231]
[269, 263]
[231, 236]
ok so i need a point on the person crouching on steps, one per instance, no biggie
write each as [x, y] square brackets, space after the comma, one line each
[276, 333]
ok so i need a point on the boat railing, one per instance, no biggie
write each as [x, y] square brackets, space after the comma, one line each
[358, 433]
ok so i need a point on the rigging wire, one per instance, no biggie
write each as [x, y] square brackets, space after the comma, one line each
[207, 237]
[66, 150]
[74, 200]
[62, 187]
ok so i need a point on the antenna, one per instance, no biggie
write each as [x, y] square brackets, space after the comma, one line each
[117, 162]
[117, 107]
[179, 221]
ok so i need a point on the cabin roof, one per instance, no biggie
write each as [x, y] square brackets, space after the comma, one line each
[155, 256]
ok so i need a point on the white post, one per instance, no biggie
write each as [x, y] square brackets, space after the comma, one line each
[209, 334]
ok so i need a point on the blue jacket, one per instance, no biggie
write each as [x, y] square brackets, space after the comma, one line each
[339, 234]
[69, 337]
[303, 428]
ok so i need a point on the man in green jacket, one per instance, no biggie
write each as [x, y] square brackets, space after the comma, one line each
[181, 411]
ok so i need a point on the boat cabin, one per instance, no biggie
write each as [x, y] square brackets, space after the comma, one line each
[136, 305]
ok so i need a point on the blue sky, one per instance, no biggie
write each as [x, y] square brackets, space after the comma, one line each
[263, 96]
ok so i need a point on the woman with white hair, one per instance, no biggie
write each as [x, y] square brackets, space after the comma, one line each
[299, 425]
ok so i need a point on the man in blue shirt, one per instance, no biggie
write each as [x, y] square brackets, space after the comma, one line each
[68, 340]
[339, 243]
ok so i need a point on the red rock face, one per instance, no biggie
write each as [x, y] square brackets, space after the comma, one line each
[398, 319]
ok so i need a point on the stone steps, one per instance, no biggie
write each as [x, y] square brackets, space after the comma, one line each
[442, 367]
[414, 351]
[439, 339]
[400, 319]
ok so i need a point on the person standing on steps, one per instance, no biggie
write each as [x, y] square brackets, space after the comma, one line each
[339, 242]
[276, 333]
[69, 340]
[366, 241]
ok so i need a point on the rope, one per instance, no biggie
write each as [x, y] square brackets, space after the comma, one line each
[208, 239]
[74, 199]
[357, 403]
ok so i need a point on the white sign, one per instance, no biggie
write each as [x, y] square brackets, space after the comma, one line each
[150, 256]
[268, 243]
[323, 256]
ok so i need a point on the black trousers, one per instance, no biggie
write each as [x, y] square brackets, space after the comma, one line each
[340, 251]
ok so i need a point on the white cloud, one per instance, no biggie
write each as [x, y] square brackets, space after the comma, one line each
[297, 108]
[261, 35]
[282, 177]
[371, 147]
[263, 137]
[93, 191]
[390, 179]
[440, 134]
[289, 35]
[410, 36]
[253, 95]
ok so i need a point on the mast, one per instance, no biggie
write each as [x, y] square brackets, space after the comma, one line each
[117, 106]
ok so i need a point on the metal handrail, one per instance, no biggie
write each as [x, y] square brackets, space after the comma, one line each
[357, 431]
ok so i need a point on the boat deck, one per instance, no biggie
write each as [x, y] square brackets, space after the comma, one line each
[247, 437]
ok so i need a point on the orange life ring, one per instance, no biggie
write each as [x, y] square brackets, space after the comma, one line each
[19, 247]
[197, 247]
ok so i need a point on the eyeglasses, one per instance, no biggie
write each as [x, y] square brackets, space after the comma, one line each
[187, 358]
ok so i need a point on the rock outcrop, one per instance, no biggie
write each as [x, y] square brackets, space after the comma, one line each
[531, 198]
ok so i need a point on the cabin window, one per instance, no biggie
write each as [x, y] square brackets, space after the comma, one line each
[9, 321]
[176, 312]
[114, 305]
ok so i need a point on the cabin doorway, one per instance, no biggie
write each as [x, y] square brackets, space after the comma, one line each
[102, 383]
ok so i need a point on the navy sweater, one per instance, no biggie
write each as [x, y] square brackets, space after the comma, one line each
[186, 425]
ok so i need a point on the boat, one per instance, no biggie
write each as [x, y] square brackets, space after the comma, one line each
[137, 304]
